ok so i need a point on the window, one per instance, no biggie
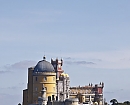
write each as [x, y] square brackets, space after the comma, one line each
[45, 78]
[36, 94]
[36, 78]
[36, 89]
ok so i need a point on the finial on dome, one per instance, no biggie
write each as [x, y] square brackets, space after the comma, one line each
[44, 58]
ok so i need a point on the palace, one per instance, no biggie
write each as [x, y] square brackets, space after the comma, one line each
[49, 85]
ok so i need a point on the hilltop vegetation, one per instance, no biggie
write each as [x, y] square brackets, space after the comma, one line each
[115, 102]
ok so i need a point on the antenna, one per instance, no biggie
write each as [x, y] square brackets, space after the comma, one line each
[44, 53]
[60, 54]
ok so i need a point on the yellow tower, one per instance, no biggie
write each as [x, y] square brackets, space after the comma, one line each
[46, 79]
[43, 74]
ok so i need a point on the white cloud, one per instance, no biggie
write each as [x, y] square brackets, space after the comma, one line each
[110, 60]
[20, 65]
[4, 71]
[79, 62]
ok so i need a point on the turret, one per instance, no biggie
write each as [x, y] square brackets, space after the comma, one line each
[43, 92]
[42, 100]
[57, 64]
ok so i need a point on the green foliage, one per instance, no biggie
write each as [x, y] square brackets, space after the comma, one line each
[127, 102]
[124, 103]
[114, 102]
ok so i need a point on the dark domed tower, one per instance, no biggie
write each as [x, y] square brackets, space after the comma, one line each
[43, 74]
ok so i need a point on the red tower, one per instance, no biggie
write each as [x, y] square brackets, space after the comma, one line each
[57, 64]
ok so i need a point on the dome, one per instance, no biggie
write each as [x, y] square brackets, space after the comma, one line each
[44, 66]
[64, 75]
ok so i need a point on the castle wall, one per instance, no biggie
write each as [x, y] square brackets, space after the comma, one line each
[25, 97]
[30, 85]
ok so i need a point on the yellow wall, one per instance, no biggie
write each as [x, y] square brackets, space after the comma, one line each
[80, 97]
[73, 96]
[49, 83]
[34, 87]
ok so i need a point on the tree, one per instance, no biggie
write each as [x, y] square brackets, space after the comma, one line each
[114, 102]
[127, 102]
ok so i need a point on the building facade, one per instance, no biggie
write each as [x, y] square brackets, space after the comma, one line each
[87, 94]
[47, 83]
[47, 75]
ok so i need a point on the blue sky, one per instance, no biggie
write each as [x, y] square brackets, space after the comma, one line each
[92, 37]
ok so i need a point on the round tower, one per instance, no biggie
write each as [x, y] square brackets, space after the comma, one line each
[44, 74]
